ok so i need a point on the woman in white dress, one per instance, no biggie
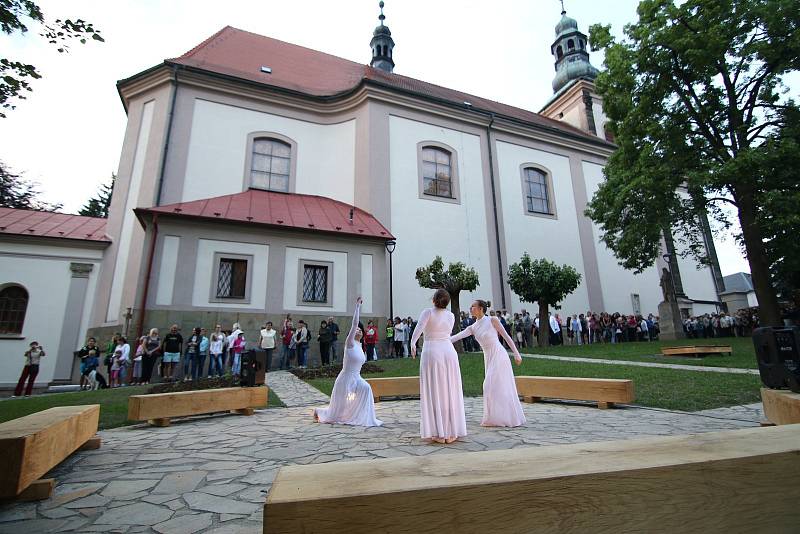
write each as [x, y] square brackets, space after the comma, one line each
[351, 399]
[501, 406]
[442, 418]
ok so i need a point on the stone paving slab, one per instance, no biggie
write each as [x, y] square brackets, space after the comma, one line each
[293, 391]
[700, 368]
[223, 466]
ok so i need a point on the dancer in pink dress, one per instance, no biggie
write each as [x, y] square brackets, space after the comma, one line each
[351, 398]
[441, 396]
[501, 406]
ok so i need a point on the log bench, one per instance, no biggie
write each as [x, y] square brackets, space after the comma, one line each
[395, 386]
[32, 445]
[697, 351]
[732, 481]
[781, 407]
[604, 391]
[158, 409]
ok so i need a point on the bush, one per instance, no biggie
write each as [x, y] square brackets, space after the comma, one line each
[216, 382]
[331, 371]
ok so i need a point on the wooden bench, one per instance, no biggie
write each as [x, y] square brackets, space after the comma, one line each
[394, 386]
[737, 480]
[781, 407]
[159, 408]
[697, 351]
[604, 391]
[32, 445]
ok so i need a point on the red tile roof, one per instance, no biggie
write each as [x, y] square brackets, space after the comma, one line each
[50, 224]
[241, 54]
[285, 210]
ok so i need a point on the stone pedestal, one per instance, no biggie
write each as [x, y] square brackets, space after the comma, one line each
[669, 321]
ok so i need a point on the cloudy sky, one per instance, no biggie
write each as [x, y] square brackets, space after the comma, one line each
[68, 134]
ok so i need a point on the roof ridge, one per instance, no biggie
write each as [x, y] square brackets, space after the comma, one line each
[204, 43]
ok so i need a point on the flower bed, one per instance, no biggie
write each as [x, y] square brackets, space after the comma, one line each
[331, 371]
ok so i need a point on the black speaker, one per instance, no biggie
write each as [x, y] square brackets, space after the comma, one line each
[778, 354]
[254, 367]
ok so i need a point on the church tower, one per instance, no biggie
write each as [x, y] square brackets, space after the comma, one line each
[382, 45]
[574, 100]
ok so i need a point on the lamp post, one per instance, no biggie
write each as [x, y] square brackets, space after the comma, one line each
[390, 245]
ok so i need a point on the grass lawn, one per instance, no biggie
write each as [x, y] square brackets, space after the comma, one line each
[661, 388]
[113, 404]
[744, 355]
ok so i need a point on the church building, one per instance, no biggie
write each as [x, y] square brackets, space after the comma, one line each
[259, 178]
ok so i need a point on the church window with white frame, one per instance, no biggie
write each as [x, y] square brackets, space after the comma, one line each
[270, 164]
[537, 189]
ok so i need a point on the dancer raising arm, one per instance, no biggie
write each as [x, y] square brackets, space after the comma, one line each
[501, 406]
[351, 399]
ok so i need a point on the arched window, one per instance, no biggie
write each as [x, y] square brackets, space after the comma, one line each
[13, 304]
[536, 190]
[559, 52]
[571, 44]
[270, 165]
[437, 172]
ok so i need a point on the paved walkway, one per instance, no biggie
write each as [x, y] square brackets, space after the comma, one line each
[211, 474]
[293, 391]
[733, 370]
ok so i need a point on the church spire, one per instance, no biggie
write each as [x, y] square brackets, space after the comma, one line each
[382, 45]
[571, 53]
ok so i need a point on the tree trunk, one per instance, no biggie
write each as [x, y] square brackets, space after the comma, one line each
[455, 307]
[769, 313]
[544, 325]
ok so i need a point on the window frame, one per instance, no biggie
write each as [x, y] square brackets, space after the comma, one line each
[455, 189]
[248, 163]
[301, 267]
[15, 334]
[248, 283]
[548, 176]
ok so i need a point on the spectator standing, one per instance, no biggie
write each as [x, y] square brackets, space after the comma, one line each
[33, 356]
[171, 348]
[200, 358]
[389, 337]
[301, 341]
[370, 340]
[137, 362]
[324, 337]
[399, 337]
[116, 358]
[110, 348]
[190, 358]
[287, 339]
[334, 328]
[232, 337]
[152, 349]
[527, 327]
[90, 360]
[124, 360]
[216, 347]
[576, 329]
[237, 349]
[267, 341]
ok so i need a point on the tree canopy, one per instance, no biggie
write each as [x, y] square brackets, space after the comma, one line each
[697, 104]
[17, 192]
[15, 16]
[97, 206]
[544, 282]
[458, 277]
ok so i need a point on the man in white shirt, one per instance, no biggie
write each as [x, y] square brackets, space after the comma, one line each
[267, 341]
[555, 331]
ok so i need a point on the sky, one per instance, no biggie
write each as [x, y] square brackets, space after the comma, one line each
[67, 135]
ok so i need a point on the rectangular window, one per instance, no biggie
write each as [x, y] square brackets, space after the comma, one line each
[315, 283]
[232, 279]
[536, 191]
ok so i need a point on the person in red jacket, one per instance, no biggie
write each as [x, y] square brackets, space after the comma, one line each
[371, 339]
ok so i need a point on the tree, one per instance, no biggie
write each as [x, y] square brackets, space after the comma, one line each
[458, 277]
[98, 206]
[15, 15]
[696, 102]
[16, 192]
[544, 282]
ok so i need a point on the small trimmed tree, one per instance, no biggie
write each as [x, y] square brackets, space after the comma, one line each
[458, 277]
[544, 282]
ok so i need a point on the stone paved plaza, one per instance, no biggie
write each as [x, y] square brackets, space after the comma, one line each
[211, 474]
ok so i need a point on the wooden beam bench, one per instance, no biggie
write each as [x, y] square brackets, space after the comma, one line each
[781, 407]
[696, 351]
[32, 445]
[158, 409]
[738, 480]
[604, 391]
[395, 386]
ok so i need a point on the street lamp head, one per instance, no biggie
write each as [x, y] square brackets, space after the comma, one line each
[390, 245]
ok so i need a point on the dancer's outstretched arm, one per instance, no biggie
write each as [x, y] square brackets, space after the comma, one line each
[423, 320]
[502, 332]
[461, 335]
[351, 336]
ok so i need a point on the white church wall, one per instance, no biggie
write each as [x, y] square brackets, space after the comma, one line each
[292, 284]
[204, 273]
[619, 284]
[44, 272]
[600, 118]
[552, 238]
[167, 269]
[425, 228]
[365, 287]
[218, 148]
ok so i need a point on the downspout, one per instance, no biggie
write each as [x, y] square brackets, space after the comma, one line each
[494, 211]
[150, 255]
[173, 97]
